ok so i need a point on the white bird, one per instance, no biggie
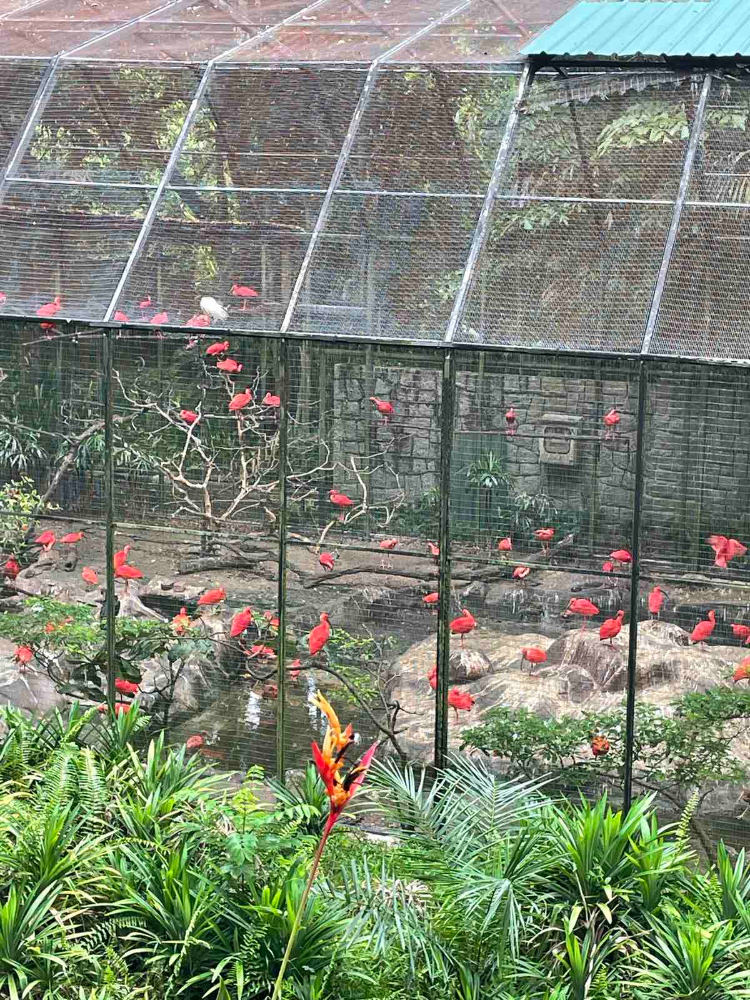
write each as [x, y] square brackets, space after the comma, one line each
[212, 308]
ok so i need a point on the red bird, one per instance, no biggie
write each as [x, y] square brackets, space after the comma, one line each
[431, 598]
[23, 654]
[126, 687]
[326, 561]
[199, 319]
[145, 303]
[264, 651]
[159, 318]
[121, 556]
[611, 627]
[90, 576]
[241, 400]
[505, 544]
[512, 421]
[49, 308]
[215, 596]
[3, 298]
[608, 567]
[464, 624]
[621, 556]
[244, 292]
[703, 629]
[432, 678]
[241, 621]
[120, 317]
[600, 746]
[384, 408]
[434, 550]
[71, 538]
[295, 669]
[320, 635]
[611, 420]
[11, 569]
[127, 573]
[521, 572]
[740, 631]
[389, 544]
[340, 500]
[189, 416]
[532, 654]
[229, 365]
[271, 400]
[218, 348]
[194, 742]
[581, 606]
[121, 708]
[742, 673]
[545, 536]
[725, 549]
[272, 617]
[46, 540]
[458, 699]
[656, 600]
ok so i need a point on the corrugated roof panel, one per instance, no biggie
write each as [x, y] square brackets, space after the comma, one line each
[650, 28]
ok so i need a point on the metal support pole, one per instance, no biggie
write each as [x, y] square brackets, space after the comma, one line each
[282, 368]
[163, 182]
[635, 576]
[481, 233]
[346, 149]
[687, 170]
[444, 561]
[109, 499]
[35, 112]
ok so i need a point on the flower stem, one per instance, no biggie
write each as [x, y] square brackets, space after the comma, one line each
[300, 911]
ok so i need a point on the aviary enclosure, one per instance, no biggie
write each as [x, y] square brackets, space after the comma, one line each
[481, 390]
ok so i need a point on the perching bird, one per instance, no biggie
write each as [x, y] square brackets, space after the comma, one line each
[320, 635]
[532, 654]
[611, 627]
[740, 631]
[215, 596]
[120, 317]
[189, 416]
[218, 348]
[512, 422]
[458, 699]
[388, 545]
[608, 567]
[214, 309]
[159, 318]
[600, 746]
[326, 561]
[243, 292]
[270, 400]
[127, 573]
[434, 550]
[581, 606]
[742, 673]
[384, 408]
[340, 500]
[521, 572]
[295, 668]
[611, 420]
[181, 623]
[545, 536]
[3, 298]
[49, 308]
[621, 556]
[71, 538]
[432, 678]
[11, 568]
[655, 601]
[505, 544]
[145, 303]
[229, 365]
[90, 576]
[46, 540]
[703, 629]
[464, 624]
[725, 549]
[121, 556]
[241, 621]
[431, 600]
[241, 400]
[199, 319]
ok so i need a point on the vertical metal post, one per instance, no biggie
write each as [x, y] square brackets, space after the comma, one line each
[682, 193]
[282, 368]
[109, 499]
[481, 233]
[635, 576]
[444, 561]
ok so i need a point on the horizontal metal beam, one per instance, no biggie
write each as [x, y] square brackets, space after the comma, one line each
[79, 51]
[251, 43]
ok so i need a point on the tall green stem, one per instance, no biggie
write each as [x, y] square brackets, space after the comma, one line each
[300, 911]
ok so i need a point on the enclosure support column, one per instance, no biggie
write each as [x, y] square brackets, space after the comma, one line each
[282, 376]
[163, 182]
[109, 500]
[682, 193]
[444, 561]
[635, 576]
[482, 231]
[15, 156]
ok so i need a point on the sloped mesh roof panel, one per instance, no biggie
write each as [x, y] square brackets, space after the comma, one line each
[18, 87]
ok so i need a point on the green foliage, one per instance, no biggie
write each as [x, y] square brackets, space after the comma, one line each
[19, 499]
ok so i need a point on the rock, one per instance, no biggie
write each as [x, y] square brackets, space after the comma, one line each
[191, 688]
[32, 691]
[468, 665]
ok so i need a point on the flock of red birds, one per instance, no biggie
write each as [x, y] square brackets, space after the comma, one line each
[610, 420]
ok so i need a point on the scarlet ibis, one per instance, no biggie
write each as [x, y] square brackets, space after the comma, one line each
[326, 561]
[121, 707]
[46, 540]
[608, 567]
[194, 742]
[127, 573]
[512, 422]
[656, 600]
[159, 318]
[384, 408]
[294, 671]
[244, 292]
[703, 629]
[263, 651]
[145, 303]
[320, 635]
[71, 538]
[120, 317]
[215, 596]
[270, 400]
[3, 298]
[189, 416]
[90, 576]
[49, 308]
[181, 623]
[229, 365]
[600, 746]
[431, 599]
[725, 549]
[388, 545]
[199, 320]
[121, 556]
[611, 420]
[742, 673]
[342, 501]
[434, 550]
[532, 654]
[740, 631]
[611, 627]
[218, 348]
[581, 606]
[545, 536]
[463, 624]
[11, 568]
[505, 544]
[213, 308]
[458, 699]
[621, 556]
[241, 400]
[521, 572]
[432, 678]
[23, 654]
[126, 687]
[241, 621]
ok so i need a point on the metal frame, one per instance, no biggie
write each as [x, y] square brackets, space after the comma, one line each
[283, 391]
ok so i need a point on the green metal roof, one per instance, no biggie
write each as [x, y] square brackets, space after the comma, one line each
[697, 28]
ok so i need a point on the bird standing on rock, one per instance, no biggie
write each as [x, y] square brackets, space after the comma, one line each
[611, 627]
[464, 624]
[703, 629]
[656, 600]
